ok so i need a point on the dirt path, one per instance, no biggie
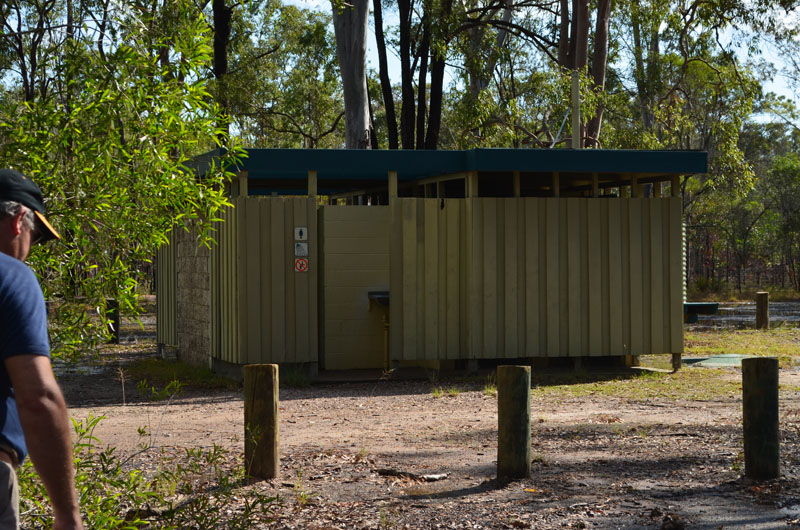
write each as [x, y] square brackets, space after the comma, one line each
[359, 450]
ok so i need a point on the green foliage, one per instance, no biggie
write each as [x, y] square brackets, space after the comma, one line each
[193, 490]
[160, 373]
[490, 388]
[111, 145]
[293, 377]
[285, 88]
[150, 393]
[301, 496]
[451, 391]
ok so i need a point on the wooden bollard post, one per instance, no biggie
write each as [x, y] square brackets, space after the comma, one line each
[513, 422]
[762, 310]
[261, 420]
[760, 418]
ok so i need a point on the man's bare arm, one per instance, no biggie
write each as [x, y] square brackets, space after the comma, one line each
[46, 425]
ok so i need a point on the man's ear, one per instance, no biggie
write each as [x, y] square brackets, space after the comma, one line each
[17, 222]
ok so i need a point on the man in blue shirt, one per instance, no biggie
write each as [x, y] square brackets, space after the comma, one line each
[33, 414]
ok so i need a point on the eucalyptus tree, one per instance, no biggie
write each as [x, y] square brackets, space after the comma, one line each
[350, 26]
[479, 39]
[284, 85]
[772, 147]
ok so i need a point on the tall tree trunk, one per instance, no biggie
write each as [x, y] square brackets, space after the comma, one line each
[645, 68]
[580, 38]
[350, 27]
[563, 35]
[383, 69]
[599, 64]
[373, 137]
[406, 70]
[437, 84]
[222, 35]
[435, 120]
[422, 84]
[573, 47]
[480, 71]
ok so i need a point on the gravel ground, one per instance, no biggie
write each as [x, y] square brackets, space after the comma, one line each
[365, 456]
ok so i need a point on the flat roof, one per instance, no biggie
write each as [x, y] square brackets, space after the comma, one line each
[339, 170]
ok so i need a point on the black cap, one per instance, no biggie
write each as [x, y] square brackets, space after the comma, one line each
[14, 186]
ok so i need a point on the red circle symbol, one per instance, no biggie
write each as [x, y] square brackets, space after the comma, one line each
[301, 265]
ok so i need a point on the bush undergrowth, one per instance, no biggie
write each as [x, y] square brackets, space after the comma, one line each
[161, 373]
[199, 488]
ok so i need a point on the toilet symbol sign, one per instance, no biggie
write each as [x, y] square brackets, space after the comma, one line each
[300, 248]
[300, 265]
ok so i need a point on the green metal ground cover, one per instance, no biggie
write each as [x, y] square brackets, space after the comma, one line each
[717, 361]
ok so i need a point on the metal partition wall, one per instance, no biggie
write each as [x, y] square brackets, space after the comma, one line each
[264, 282]
[535, 277]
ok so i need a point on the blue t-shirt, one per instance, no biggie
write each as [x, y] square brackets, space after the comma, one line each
[23, 330]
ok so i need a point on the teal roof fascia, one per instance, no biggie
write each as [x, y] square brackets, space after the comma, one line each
[350, 164]
[413, 164]
[591, 161]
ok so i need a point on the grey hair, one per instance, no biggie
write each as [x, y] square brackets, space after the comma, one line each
[11, 208]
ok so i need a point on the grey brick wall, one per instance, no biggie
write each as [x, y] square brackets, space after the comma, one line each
[193, 299]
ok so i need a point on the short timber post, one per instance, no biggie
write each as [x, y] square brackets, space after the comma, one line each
[261, 420]
[762, 310]
[676, 362]
[514, 422]
[760, 418]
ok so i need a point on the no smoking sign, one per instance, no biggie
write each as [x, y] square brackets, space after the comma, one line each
[301, 265]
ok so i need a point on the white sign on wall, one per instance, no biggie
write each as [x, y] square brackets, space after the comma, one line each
[301, 265]
[300, 233]
[300, 249]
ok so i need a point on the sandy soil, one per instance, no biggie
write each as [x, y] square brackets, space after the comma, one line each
[359, 452]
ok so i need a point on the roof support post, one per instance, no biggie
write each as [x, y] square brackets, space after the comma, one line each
[556, 184]
[312, 183]
[675, 185]
[392, 185]
[595, 185]
[472, 184]
[636, 191]
[243, 183]
[517, 190]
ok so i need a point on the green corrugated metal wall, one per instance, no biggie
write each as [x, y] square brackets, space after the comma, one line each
[503, 278]
[263, 311]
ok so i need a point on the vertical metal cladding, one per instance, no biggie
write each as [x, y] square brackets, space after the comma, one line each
[542, 277]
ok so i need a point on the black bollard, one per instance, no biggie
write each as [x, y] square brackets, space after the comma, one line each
[762, 310]
[261, 420]
[513, 422]
[760, 418]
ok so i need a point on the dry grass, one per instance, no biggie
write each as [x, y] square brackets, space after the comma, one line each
[782, 342]
[748, 294]
[693, 384]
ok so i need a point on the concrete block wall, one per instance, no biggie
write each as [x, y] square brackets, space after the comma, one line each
[193, 299]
